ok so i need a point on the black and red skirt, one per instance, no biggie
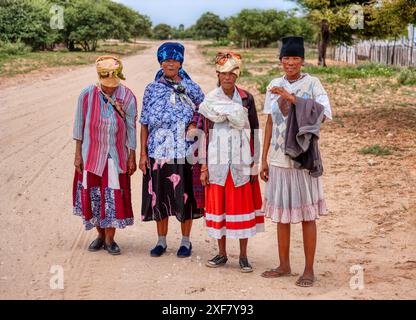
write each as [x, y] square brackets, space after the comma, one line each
[168, 191]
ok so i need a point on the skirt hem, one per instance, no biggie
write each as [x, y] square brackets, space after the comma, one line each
[310, 212]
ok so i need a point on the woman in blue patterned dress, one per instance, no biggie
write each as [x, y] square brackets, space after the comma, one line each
[168, 113]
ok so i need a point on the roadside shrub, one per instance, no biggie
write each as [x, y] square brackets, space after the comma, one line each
[16, 48]
[407, 76]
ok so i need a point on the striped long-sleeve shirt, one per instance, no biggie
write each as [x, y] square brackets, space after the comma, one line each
[103, 131]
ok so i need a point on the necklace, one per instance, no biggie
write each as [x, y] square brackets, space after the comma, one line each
[116, 105]
[292, 81]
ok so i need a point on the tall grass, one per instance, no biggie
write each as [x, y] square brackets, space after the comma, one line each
[365, 70]
[407, 76]
[376, 150]
[9, 48]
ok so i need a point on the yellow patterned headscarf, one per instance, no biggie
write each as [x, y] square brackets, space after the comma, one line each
[229, 62]
[109, 70]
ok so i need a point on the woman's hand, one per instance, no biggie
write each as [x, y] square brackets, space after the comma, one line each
[131, 165]
[190, 131]
[264, 172]
[284, 106]
[204, 176]
[254, 177]
[284, 94]
[191, 127]
[143, 163]
[78, 163]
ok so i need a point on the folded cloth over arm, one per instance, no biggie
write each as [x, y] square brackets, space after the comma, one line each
[302, 135]
[217, 107]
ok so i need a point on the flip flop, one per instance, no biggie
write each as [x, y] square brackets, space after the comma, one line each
[305, 282]
[274, 273]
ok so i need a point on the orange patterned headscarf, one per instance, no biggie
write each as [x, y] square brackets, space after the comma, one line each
[109, 69]
[228, 62]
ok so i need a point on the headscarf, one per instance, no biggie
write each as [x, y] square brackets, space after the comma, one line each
[174, 51]
[109, 70]
[228, 62]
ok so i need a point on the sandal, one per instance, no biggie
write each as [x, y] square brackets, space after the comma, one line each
[275, 273]
[217, 261]
[245, 267]
[305, 282]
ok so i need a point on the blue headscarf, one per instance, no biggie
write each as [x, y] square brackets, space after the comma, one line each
[174, 51]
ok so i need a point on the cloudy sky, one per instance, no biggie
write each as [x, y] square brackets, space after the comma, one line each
[175, 12]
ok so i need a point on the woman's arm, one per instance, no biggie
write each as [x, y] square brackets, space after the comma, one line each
[203, 153]
[78, 130]
[254, 138]
[78, 163]
[144, 133]
[264, 173]
[131, 117]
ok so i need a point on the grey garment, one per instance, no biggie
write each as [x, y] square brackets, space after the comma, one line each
[302, 135]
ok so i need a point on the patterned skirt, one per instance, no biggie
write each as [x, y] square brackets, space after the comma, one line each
[293, 196]
[168, 191]
[233, 212]
[105, 201]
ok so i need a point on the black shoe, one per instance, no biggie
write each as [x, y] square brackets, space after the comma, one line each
[217, 261]
[245, 267]
[157, 251]
[96, 245]
[112, 249]
[184, 252]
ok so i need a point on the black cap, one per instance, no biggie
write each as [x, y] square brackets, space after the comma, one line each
[292, 47]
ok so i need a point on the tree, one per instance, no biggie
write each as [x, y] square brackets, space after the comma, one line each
[259, 28]
[253, 27]
[128, 23]
[211, 26]
[87, 22]
[179, 32]
[389, 18]
[162, 31]
[381, 19]
[26, 21]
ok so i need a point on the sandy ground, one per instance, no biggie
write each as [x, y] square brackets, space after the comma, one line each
[373, 230]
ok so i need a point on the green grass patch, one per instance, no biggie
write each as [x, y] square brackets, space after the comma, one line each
[219, 43]
[265, 61]
[376, 150]
[407, 76]
[18, 48]
[311, 54]
[245, 73]
[11, 65]
[262, 82]
[365, 70]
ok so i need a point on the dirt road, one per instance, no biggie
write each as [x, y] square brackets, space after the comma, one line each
[39, 230]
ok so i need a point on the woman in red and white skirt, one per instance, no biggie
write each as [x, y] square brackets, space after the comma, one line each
[105, 156]
[232, 191]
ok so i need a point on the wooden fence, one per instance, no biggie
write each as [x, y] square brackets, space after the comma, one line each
[388, 52]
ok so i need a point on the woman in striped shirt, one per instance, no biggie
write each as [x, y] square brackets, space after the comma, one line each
[105, 156]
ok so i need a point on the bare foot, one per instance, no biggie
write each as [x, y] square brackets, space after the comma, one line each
[277, 272]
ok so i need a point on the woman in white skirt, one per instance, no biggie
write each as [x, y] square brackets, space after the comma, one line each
[292, 195]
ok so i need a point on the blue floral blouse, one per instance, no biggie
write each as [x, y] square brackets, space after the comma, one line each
[167, 121]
